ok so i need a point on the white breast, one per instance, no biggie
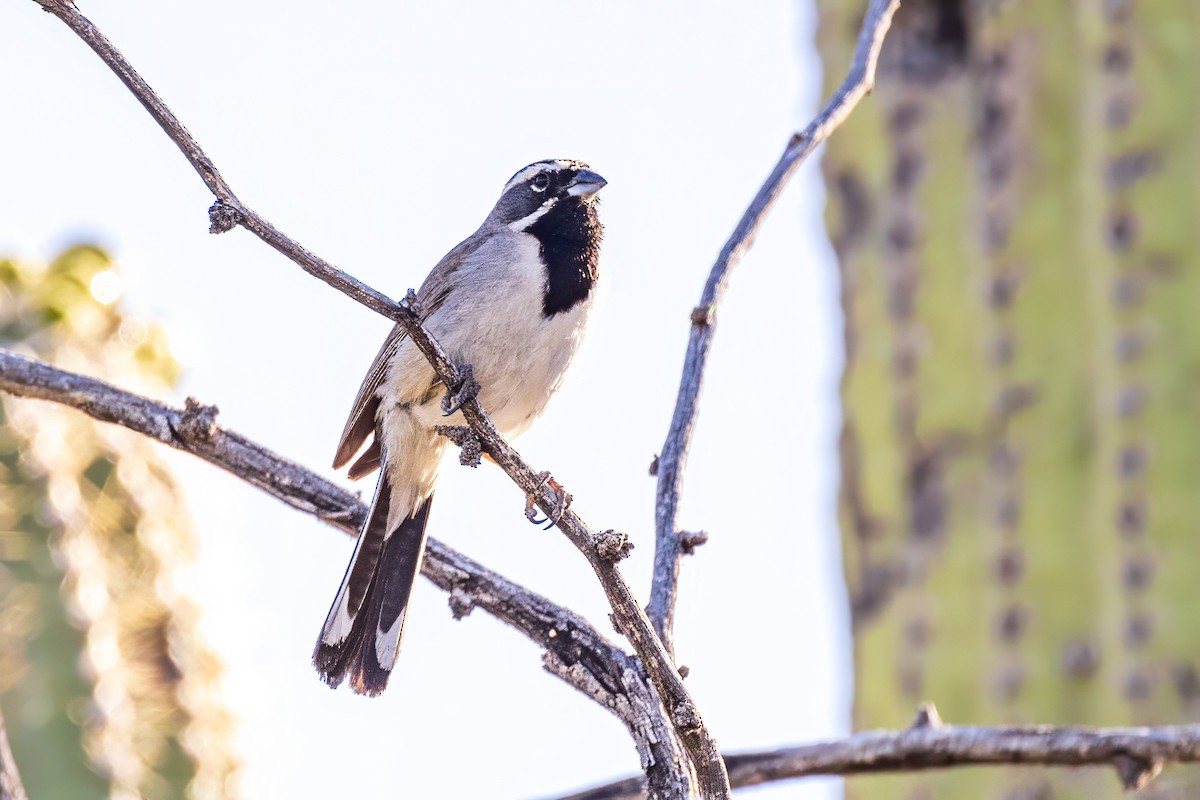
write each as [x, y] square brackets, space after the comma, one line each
[519, 356]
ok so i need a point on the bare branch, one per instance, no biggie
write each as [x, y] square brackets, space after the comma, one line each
[575, 651]
[673, 458]
[628, 616]
[1137, 754]
[677, 703]
[11, 787]
[229, 211]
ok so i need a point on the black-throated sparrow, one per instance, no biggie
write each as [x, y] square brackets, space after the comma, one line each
[511, 300]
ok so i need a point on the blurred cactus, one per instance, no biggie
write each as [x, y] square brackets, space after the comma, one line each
[1014, 216]
[107, 690]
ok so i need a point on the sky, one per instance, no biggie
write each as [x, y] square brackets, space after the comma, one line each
[379, 135]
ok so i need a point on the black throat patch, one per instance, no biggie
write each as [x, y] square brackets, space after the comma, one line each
[569, 235]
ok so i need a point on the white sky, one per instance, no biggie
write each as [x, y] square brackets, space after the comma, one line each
[379, 135]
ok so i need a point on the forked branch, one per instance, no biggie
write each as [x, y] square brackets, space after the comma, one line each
[574, 650]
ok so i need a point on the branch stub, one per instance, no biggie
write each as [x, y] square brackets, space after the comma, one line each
[702, 316]
[411, 302]
[223, 217]
[461, 602]
[471, 449]
[1136, 773]
[690, 540]
[684, 717]
[613, 546]
[198, 422]
[927, 717]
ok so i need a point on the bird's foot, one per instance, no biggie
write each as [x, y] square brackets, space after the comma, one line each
[561, 502]
[468, 389]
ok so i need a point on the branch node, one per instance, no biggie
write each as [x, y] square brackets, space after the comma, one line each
[612, 546]
[690, 540]
[461, 602]
[198, 422]
[464, 391]
[471, 449]
[411, 302]
[1136, 773]
[702, 316]
[684, 670]
[685, 718]
[223, 217]
[654, 466]
[927, 717]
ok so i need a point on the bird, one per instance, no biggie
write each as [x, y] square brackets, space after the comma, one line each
[511, 301]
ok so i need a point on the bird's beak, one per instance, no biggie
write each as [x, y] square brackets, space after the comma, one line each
[586, 184]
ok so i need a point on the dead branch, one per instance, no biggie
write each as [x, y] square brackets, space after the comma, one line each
[1137, 754]
[671, 461]
[574, 650]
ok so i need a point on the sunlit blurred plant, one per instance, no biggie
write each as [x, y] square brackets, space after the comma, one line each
[105, 685]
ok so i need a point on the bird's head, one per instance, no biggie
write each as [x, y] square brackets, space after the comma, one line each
[535, 190]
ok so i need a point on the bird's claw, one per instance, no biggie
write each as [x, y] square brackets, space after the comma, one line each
[531, 513]
[468, 388]
[562, 501]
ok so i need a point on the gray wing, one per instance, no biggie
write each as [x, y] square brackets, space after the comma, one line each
[361, 423]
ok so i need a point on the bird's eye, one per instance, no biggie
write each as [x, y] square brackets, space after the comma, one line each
[540, 182]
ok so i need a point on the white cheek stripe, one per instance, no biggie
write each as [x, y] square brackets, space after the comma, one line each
[524, 222]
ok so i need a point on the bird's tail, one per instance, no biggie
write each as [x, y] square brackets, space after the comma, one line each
[361, 635]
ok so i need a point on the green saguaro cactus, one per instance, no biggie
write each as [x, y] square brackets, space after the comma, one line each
[105, 686]
[1015, 217]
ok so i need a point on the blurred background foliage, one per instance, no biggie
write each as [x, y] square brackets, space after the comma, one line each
[105, 686]
[1015, 219]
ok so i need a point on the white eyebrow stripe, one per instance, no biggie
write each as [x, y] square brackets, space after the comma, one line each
[522, 176]
[534, 169]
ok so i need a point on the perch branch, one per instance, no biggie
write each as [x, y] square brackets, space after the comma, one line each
[228, 211]
[673, 458]
[11, 787]
[671, 462]
[678, 705]
[1137, 754]
[574, 650]
[602, 551]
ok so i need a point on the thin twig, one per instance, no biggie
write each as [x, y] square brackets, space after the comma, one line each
[574, 650]
[229, 211]
[677, 703]
[1137, 754]
[673, 458]
[11, 787]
